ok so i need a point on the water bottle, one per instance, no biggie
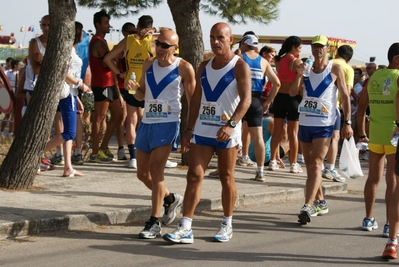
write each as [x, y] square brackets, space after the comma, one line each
[308, 66]
[132, 78]
[394, 140]
[362, 146]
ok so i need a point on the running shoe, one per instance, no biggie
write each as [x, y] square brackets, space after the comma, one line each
[45, 161]
[320, 208]
[259, 176]
[332, 175]
[57, 160]
[295, 168]
[390, 251]
[385, 231]
[180, 235]
[77, 159]
[171, 209]
[121, 154]
[109, 154]
[151, 230]
[224, 234]
[241, 161]
[132, 164]
[369, 224]
[100, 158]
[170, 164]
[214, 174]
[305, 214]
[273, 166]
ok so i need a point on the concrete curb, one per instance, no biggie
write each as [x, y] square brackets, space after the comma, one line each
[86, 221]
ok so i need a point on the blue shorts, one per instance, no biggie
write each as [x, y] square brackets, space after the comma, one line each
[150, 136]
[130, 100]
[207, 141]
[308, 133]
[29, 91]
[337, 125]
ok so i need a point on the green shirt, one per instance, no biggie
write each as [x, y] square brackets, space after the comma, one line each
[382, 88]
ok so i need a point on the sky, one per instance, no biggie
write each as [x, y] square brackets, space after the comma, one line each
[368, 22]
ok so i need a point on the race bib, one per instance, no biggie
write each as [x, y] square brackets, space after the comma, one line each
[313, 106]
[156, 109]
[210, 112]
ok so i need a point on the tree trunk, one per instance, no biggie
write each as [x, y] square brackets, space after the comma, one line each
[22, 161]
[185, 15]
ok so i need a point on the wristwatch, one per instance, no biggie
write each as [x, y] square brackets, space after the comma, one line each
[348, 122]
[232, 123]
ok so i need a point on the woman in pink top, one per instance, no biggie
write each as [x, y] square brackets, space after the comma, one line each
[285, 106]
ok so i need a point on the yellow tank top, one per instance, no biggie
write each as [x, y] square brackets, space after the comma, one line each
[137, 51]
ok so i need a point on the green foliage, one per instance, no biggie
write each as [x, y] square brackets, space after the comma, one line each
[235, 11]
[238, 11]
[120, 8]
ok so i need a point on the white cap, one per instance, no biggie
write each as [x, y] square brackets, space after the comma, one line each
[250, 40]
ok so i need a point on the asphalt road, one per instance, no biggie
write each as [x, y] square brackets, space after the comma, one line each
[264, 235]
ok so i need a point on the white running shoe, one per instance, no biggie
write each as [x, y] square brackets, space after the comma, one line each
[296, 168]
[132, 164]
[170, 164]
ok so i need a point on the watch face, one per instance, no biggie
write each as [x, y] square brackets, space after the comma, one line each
[232, 123]
[349, 122]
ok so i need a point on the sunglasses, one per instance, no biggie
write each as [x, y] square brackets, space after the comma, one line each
[163, 45]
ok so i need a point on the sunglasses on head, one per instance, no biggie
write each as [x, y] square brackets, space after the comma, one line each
[163, 45]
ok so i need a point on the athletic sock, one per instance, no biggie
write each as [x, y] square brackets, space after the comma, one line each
[132, 151]
[169, 199]
[227, 220]
[186, 223]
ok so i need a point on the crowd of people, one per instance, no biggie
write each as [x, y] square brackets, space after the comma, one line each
[240, 108]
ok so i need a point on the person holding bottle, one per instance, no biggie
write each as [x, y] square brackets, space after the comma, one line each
[381, 95]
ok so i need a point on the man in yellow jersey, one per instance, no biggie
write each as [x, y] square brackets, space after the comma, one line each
[382, 96]
[344, 55]
[137, 47]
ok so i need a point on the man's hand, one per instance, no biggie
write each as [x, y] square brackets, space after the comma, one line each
[187, 141]
[346, 131]
[224, 134]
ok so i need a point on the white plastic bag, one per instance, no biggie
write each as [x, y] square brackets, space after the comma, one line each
[349, 160]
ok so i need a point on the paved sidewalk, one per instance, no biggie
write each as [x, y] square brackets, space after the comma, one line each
[111, 194]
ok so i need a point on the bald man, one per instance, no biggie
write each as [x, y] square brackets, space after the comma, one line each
[165, 78]
[222, 97]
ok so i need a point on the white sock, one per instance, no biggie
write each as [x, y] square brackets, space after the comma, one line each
[245, 156]
[77, 151]
[392, 241]
[260, 169]
[227, 220]
[329, 166]
[186, 223]
[59, 152]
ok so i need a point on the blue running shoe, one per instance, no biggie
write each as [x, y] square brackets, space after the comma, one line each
[180, 235]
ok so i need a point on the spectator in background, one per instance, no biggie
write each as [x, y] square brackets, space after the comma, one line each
[7, 67]
[342, 58]
[285, 106]
[13, 77]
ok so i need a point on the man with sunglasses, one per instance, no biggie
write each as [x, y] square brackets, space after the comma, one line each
[165, 78]
[317, 118]
[221, 98]
[137, 46]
